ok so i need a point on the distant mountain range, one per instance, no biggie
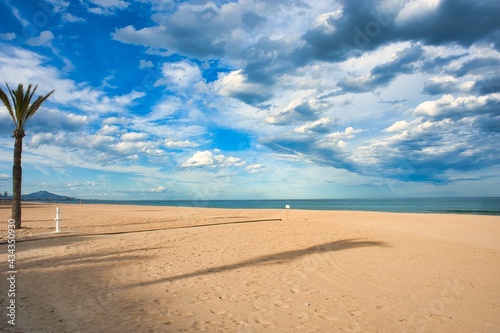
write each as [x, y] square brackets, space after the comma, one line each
[45, 196]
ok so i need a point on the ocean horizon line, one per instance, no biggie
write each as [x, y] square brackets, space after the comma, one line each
[440, 205]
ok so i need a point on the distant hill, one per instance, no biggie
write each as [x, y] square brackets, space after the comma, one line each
[45, 196]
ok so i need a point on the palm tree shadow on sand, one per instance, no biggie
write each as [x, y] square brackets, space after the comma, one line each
[276, 258]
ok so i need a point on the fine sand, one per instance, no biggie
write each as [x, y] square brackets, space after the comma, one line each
[165, 269]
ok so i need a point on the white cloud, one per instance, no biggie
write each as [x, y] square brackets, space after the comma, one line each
[200, 158]
[97, 142]
[416, 9]
[53, 120]
[324, 21]
[182, 74]
[128, 98]
[255, 168]
[180, 144]
[398, 126]
[446, 84]
[110, 130]
[72, 19]
[107, 7]
[337, 138]
[44, 39]
[131, 137]
[59, 5]
[448, 105]
[8, 36]
[145, 64]
[208, 159]
[320, 125]
[87, 183]
[277, 64]
[297, 111]
[237, 86]
[157, 189]
[165, 108]
[96, 102]
[20, 65]
[38, 140]
[25, 23]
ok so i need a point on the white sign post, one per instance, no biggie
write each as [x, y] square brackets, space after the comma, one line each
[57, 219]
[287, 207]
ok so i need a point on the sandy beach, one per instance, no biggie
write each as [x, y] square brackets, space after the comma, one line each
[121, 268]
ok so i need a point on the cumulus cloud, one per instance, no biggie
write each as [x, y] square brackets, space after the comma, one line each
[292, 75]
[107, 7]
[182, 74]
[255, 168]
[297, 111]
[450, 134]
[487, 84]
[42, 40]
[236, 85]
[110, 130]
[132, 149]
[440, 85]
[103, 147]
[403, 62]
[134, 136]
[158, 189]
[172, 144]
[398, 126]
[373, 24]
[425, 150]
[54, 120]
[323, 149]
[275, 48]
[448, 106]
[337, 138]
[477, 65]
[237, 32]
[208, 159]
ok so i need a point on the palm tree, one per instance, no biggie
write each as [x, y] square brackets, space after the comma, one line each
[21, 110]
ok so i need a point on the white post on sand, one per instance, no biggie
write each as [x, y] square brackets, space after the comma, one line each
[57, 219]
[287, 207]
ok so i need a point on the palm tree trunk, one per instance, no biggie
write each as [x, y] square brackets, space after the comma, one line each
[17, 176]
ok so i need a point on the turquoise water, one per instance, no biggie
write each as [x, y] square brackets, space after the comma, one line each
[482, 206]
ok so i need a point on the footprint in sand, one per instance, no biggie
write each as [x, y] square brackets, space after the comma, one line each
[203, 298]
[182, 313]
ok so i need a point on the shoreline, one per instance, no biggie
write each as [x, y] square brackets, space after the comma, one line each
[375, 205]
[162, 269]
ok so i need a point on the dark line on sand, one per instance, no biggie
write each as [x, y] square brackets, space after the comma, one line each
[66, 235]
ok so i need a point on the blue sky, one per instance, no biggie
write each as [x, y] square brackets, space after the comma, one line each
[255, 99]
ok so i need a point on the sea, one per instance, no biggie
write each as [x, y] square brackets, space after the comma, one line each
[480, 206]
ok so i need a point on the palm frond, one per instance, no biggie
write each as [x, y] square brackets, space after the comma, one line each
[23, 109]
[12, 110]
[5, 100]
[35, 105]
